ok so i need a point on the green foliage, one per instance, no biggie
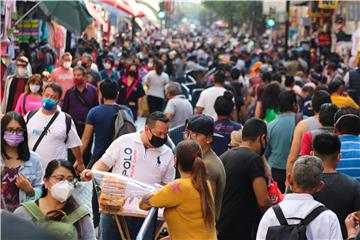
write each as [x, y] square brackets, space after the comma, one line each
[238, 12]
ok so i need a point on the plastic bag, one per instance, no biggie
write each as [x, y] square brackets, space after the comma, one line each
[274, 192]
[116, 190]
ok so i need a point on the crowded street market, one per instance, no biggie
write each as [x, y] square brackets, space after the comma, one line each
[180, 119]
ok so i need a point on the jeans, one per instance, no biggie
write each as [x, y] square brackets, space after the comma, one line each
[109, 231]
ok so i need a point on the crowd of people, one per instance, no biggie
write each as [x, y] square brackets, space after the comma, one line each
[253, 117]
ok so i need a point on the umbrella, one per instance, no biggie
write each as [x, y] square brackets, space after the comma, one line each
[73, 15]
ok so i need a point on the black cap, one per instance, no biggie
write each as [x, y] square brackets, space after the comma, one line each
[202, 124]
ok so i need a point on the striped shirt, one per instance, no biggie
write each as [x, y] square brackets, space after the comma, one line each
[350, 156]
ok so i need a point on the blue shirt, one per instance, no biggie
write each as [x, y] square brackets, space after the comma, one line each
[102, 117]
[224, 128]
[349, 163]
[280, 133]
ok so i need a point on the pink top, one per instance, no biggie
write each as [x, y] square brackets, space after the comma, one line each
[306, 143]
[31, 103]
[64, 77]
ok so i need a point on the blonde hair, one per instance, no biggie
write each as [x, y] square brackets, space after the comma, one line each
[236, 138]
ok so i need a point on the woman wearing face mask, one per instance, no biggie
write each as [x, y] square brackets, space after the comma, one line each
[15, 85]
[31, 98]
[156, 81]
[108, 72]
[131, 90]
[56, 200]
[21, 170]
[188, 202]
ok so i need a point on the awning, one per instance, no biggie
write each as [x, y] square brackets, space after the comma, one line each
[150, 14]
[91, 8]
[130, 7]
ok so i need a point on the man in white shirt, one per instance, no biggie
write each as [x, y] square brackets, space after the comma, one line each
[56, 140]
[305, 180]
[205, 104]
[142, 156]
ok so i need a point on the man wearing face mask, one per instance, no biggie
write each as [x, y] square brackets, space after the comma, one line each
[51, 132]
[108, 72]
[34, 55]
[15, 85]
[78, 101]
[142, 156]
[245, 195]
[63, 75]
[90, 67]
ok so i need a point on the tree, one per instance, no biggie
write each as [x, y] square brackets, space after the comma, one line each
[238, 12]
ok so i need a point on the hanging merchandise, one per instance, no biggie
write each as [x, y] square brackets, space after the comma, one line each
[27, 29]
[57, 37]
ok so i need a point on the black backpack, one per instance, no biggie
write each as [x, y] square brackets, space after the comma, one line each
[284, 231]
[68, 119]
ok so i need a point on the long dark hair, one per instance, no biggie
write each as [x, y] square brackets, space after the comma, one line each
[23, 148]
[159, 68]
[189, 159]
[270, 98]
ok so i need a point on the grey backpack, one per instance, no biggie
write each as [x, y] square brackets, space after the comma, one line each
[122, 124]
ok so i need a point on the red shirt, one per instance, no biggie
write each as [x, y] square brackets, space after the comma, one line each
[306, 143]
[15, 93]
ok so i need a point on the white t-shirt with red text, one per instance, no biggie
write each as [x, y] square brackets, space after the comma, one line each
[128, 156]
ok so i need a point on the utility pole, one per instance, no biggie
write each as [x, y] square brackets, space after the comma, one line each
[287, 23]
[132, 28]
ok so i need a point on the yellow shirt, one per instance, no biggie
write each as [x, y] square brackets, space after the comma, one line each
[342, 101]
[182, 210]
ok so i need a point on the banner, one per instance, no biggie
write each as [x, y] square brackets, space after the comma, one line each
[328, 4]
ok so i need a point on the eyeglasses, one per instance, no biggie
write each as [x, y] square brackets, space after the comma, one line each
[17, 131]
[60, 178]
[190, 134]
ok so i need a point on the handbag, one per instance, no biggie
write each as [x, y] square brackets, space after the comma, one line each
[275, 194]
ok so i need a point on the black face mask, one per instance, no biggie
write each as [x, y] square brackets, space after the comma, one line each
[263, 147]
[132, 74]
[156, 141]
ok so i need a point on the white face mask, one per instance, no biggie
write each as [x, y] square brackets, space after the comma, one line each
[61, 191]
[21, 71]
[67, 65]
[107, 66]
[34, 88]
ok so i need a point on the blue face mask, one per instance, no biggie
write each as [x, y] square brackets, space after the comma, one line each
[48, 104]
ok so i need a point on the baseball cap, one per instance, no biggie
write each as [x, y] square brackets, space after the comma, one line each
[202, 124]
